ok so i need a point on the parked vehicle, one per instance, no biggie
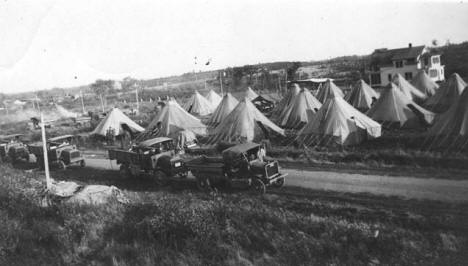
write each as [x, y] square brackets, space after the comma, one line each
[240, 165]
[60, 150]
[155, 156]
[12, 148]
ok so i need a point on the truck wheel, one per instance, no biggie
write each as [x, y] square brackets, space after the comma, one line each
[258, 186]
[161, 178]
[124, 171]
[83, 163]
[203, 184]
[40, 163]
[278, 183]
[62, 165]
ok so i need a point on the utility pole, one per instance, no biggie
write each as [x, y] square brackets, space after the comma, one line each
[137, 102]
[221, 82]
[46, 159]
[82, 101]
[102, 103]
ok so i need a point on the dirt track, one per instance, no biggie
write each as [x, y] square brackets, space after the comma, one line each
[405, 187]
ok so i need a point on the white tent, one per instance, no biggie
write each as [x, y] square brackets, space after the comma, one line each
[171, 120]
[286, 101]
[451, 127]
[199, 105]
[447, 95]
[361, 96]
[329, 90]
[295, 115]
[244, 123]
[338, 123]
[213, 98]
[224, 108]
[424, 83]
[118, 122]
[250, 94]
[395, 108]
[408, 90]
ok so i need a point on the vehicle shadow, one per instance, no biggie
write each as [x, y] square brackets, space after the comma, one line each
[143, 183]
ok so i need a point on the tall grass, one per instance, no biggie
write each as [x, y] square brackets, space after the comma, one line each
[288, 227]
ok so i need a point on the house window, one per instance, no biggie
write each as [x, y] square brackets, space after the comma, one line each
[435, 60]
[426, 61]
[408, 75]
[433, 73]
[399, 64]
[389, 77]
[375, 78]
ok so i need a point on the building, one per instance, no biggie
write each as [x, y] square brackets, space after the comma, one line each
[408, 61]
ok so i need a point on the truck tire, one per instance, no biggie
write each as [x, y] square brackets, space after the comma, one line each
[124, 171]
[278, 183]
[161, 178]
[40, 162]
[258, 186]
[62, 165]
[83, 163]
[203, 184]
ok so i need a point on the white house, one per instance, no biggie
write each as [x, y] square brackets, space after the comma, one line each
[408, 61]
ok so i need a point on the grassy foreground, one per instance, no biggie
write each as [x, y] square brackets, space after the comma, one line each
[179, 226]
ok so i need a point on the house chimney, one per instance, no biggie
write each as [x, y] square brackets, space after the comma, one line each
[410, 45]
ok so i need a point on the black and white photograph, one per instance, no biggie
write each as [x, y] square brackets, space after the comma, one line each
[233, 132]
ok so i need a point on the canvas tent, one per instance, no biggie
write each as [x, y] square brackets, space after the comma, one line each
[250, 94]
[447, 95]
[295, 115]
[213, 98]
[199, 105]
[338, 123]
[286, 101]
[361, 96]
[118, 122]
[245, 123]
[408, 90]
[451, 127]
[329, 90]
[395, 108]
[424, 83]
[170, 121]
[224, 108]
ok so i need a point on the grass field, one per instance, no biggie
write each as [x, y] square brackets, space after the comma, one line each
[180, 226]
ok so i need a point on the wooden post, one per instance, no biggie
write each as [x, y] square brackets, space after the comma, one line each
[46, 159]
[221, 82]
[137, 102]
[102, 103]
[82, 101]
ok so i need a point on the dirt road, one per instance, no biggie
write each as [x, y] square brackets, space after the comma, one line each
[405, 187]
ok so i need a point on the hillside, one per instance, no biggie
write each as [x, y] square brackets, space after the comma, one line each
[344, 70]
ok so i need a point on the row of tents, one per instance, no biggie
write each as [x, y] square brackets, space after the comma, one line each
[328, 117]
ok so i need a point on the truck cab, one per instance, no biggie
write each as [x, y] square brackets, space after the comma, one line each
[60, 150]
[12, 148]
[155, 155]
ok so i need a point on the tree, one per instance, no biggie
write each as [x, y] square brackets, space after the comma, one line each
[129, 83]
[102, 86]
[292, 68]
[435, 42]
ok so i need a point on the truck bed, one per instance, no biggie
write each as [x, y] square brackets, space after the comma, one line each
[122, 156]
[206, 166]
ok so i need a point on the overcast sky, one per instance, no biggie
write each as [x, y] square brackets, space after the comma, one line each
[45, 44]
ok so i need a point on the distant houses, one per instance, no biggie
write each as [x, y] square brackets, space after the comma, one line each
[408, 61]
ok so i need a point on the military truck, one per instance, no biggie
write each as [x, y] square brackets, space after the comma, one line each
[12, 148]
[155, 156]
[60, 151]
[239, 165]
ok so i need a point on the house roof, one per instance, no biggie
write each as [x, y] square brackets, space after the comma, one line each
[386, 56]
